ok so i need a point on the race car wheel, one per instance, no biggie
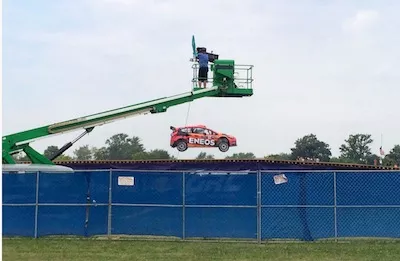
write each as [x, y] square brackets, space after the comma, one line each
[223, 145]
[181, 145]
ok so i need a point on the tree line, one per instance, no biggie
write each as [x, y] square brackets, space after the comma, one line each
[355, 149]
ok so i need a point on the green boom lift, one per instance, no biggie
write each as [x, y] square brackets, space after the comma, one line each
[225, 83]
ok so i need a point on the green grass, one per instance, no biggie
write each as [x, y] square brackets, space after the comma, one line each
[56, 249]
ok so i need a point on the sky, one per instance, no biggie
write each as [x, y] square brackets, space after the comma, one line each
[330, 68]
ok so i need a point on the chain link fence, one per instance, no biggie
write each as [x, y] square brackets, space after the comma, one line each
[248, 205]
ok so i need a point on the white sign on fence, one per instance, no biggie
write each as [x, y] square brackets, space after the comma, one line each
[126, 181]
[280, 179]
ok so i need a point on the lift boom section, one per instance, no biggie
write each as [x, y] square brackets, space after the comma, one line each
[225, 84]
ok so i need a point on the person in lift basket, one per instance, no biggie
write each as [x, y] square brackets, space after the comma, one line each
[202, 57]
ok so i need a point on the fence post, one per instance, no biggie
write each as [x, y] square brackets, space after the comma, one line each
[183, 207]
[259, 206]
[334, 204]
[109, 204]
[37, 204]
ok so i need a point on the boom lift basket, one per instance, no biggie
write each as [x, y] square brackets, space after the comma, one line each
[233, 80]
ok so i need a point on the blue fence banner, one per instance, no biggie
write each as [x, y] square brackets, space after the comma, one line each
[239, 203]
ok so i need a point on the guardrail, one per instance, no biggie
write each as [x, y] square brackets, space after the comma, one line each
[243, 76]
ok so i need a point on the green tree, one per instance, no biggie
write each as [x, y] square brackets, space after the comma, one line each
[309, 147]
[83, 153]
[393, 157]
[371, 159]
[280, 156]
[50, 151]
[356, 148]
[160, 154]
[100, 154]
[119, 147]
[242, 155]
[204, 155]
[143, 155]
[156, 154]
[64, 157]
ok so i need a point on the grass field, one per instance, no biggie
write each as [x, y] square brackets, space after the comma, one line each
[88, 249]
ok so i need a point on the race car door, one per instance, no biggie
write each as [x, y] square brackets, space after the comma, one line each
[199, 138]
[212, 136]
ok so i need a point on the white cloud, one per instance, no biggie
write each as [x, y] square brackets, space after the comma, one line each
[362, 21]
[120, 2]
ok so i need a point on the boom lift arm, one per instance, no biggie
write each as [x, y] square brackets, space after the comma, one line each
[223, 86]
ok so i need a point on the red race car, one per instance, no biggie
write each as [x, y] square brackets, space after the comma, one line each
[199, 136]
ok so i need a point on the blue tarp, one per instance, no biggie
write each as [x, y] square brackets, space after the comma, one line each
[203, 204]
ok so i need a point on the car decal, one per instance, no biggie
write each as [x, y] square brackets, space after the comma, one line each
[200, 141]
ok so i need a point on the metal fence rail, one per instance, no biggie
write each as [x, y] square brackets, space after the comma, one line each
[255, 205]
[243, 76]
